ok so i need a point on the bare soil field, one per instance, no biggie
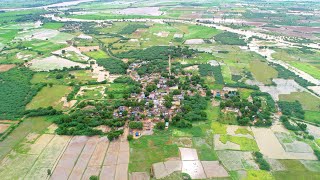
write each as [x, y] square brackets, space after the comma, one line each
[283, 86]
[6, 67]
[189, 164]
[4, 127]
[69, 158]
[51, 63]
[270, 146]
[194, 41]
[152, 11]
[88, 48]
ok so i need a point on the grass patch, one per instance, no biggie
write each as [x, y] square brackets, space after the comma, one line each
[36, 125]
[243, 131]
[219, 128]
[262, 72]
[151, 149]
[307, 100]
[97, 54]
[295, 170]
[49, 96]
[195, 131]
[212, 112]
[245, 93]
[200, 32]
[246, 144]
[312, 116]
[53, 25]
[258, 175]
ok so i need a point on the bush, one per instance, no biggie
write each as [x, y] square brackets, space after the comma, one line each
[263, 164]
[160, 125]
[136, 125]
[129, 137]
[94, 178]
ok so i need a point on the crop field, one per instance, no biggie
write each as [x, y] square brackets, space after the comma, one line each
[97, 54]
[262, 72]
[308, 101]
[53, 25]
[150, 89]
[49, 96]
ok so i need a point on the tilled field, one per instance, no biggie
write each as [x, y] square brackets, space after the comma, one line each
[67, 157]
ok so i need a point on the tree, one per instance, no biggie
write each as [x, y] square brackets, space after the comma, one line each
[49, 172]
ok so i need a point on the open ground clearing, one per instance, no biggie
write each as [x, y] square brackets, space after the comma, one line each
[282, 87]
[77, 157]
[52, 63]
[6, 67]
[270, 146]
[191, 165]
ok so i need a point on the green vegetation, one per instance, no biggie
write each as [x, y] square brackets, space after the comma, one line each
[16, 92]
[293, 109]
[151, 149]
[307, 100]
[228, 38]
[131, 28]
[246, 144]
[312, 116]
[263, 164]
[29, 125]
[287, 74]
[219, 128]
[53, 25]
[244, 131]
[49, 96]
[258, 174]
[200, 32]
[295, 170]
[208, 70]
[114, 66]
[262, 72]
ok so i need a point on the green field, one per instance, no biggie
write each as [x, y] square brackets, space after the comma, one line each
[295, 170]
[246, 144]
[200, 32]
[151, 149]
[49, 96]
[97, 54]
[262, 72]
[53, 25]
[308, 101]
[312, 116]
[29, 125]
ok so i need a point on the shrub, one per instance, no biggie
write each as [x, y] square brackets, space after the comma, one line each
[160, 125]
[136, 125]
[263, 164]
[129, 137]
